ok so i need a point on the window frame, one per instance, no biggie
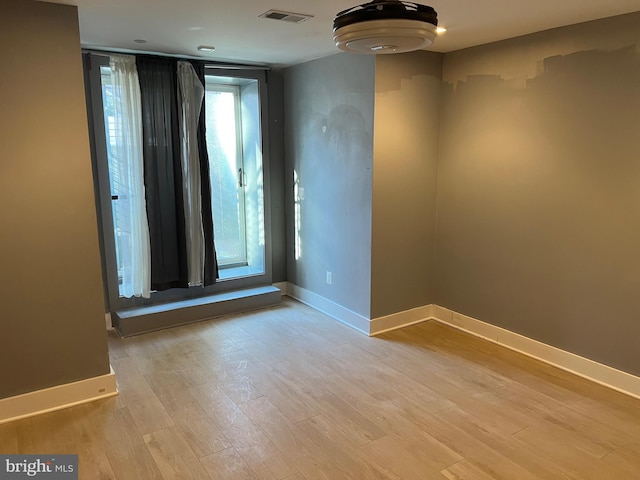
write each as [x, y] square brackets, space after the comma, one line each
[241, 261]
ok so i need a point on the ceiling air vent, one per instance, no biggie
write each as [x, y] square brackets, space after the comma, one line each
[286, 16]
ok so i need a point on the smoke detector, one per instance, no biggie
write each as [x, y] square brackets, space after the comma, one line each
[385, 26]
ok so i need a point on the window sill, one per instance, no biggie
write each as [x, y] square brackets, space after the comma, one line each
[239, 272]
[138, 320]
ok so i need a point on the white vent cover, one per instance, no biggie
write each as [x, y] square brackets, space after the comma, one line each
[286, 16]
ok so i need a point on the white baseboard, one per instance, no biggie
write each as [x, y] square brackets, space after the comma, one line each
[283, 286]
[597, 372]
[398, 320]
[583, 367]
[340, 313]
[57, 398]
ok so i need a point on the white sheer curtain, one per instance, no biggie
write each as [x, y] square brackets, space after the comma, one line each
[132, 229]
[191, 93]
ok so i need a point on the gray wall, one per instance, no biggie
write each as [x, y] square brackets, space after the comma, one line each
[407, 125]
[53, 328]
[539, 188]
[329, 146]
[275, 78]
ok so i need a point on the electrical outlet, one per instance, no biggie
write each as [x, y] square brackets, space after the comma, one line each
[329, 277]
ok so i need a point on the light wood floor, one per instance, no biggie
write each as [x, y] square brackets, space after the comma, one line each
[288, 393]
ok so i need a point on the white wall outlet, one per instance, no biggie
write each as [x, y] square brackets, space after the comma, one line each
[329, 277]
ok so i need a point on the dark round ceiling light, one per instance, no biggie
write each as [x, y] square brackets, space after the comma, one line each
[385, 26]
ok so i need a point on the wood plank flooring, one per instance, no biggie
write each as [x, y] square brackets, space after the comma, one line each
[288, 393]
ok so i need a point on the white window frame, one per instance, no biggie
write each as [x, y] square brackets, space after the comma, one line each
[240, 261]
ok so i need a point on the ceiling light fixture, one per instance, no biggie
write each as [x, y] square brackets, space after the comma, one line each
[385, 26]
[440, 30]
[205, 48]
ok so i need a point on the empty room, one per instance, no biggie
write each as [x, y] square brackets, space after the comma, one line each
[320, 240]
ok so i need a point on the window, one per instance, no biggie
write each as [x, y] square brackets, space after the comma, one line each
[224, 146]
[234, 146]
[118, 188]
[234, 117]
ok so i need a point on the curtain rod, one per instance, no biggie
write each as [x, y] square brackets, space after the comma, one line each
[209, 63]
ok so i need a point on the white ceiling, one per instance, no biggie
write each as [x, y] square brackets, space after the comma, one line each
[233, 26]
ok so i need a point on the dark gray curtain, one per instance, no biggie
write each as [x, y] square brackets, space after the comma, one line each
[163, 172]
[210, 259]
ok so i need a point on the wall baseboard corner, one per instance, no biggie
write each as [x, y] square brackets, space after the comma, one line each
[605, 375]
[282, 286]
[58, 397]
[399, 320]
